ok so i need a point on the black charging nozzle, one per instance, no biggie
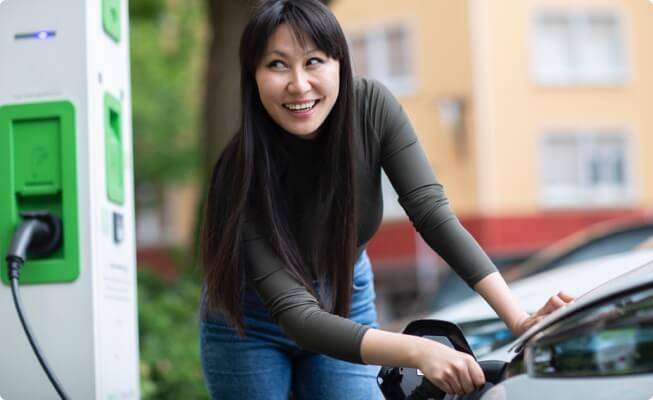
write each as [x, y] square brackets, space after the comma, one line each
[39, 235]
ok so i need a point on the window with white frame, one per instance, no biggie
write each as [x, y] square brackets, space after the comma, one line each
[578, 47]
[585, 169]
[384, 54]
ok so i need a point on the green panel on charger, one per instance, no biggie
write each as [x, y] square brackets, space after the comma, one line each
[111, 18]
[38, 168]
[115, 178]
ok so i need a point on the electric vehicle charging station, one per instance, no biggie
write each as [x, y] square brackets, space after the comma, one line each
[65, 147]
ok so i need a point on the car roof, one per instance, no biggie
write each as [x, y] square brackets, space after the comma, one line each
[639, 277]
[531, 293]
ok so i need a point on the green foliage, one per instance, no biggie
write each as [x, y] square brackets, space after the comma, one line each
[166, 46]
[168, 334]
[144, 8]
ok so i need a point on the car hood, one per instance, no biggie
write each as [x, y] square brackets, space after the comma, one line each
[639, 277]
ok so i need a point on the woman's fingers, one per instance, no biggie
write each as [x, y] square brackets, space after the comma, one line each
[444, 385]
[466, 375]
[566, 297]
[466, 383]
[477, 375]
[452, 379]
[551, 305]
[452, 371]
[556, 302]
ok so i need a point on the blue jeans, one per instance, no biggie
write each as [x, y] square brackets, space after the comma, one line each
[265, 364]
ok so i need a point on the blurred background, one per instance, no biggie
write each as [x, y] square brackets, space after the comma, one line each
[534, 115]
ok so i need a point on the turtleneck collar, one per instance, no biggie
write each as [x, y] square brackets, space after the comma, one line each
[296, 145]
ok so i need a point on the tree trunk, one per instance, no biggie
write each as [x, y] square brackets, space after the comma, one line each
[220, 117]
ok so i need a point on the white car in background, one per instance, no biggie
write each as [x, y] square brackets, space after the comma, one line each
[487, 335]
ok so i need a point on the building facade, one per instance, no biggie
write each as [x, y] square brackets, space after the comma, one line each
[532, 113]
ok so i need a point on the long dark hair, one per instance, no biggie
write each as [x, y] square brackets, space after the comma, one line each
[246, 180]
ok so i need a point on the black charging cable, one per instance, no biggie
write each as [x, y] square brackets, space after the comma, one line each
[40, 235]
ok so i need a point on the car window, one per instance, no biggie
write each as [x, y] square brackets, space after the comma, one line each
[615, 338]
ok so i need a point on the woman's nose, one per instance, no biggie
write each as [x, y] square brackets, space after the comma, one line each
[299, 83]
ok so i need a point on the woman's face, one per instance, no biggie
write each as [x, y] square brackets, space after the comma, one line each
[298, 86]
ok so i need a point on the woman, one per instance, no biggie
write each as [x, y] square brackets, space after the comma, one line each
[293, 200]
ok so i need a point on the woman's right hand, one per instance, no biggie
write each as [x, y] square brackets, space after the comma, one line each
[453, 371]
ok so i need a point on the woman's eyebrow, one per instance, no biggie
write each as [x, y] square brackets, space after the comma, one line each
[285, 55]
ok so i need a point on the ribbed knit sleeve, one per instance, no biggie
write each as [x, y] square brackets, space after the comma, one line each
[420, 193]
[297, 312]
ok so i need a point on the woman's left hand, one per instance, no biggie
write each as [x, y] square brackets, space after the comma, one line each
[556, 301]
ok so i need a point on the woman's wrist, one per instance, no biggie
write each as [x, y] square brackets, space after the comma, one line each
[496, 292]
[419, 347]
[392, 349]
[516, 323]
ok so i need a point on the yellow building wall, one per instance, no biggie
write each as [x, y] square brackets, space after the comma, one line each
[479, 50]
[439, 34]
[517, 109]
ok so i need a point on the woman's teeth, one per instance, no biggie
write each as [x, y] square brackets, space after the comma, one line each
[301, 106]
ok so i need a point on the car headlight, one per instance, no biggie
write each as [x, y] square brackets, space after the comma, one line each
[608, 339]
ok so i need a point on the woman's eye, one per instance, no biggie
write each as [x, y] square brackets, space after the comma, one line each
[276, 64]
[314, 61]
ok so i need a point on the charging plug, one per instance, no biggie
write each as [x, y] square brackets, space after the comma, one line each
[39, 235]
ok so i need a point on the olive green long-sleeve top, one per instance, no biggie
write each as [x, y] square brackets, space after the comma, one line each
[384, 138]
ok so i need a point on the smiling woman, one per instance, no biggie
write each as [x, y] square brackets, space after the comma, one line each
[298, 83]
[288, 304]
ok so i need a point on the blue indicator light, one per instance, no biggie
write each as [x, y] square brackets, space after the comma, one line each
[38, 35]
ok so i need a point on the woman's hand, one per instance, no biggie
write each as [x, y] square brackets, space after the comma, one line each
[450, 370]
[453, 371]
[556, 301]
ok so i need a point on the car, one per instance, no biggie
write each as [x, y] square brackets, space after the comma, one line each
[601, 239]
[600, 346]
[486, 333]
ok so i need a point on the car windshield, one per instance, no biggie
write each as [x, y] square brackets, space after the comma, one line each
[611, 339]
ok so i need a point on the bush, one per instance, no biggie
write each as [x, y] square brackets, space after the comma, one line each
[168, 334]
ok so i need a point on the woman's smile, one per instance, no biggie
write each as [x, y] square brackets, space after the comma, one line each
[303, 106]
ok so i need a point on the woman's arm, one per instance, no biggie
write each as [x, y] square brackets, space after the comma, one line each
[420, 193]
[301, 318]
[495, 291]
[426, 204]
[292, 306]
